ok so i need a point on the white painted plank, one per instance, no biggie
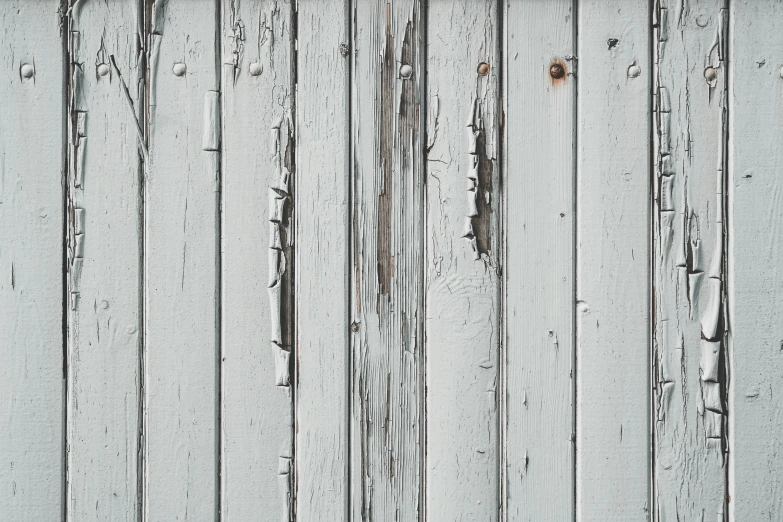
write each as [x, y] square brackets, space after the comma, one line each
[256, 416]
[104, 273]
[755, 255]
[690, 124]
[387, 226]
[613, 262]
[539, 154]
[31, 260]
[322, 275]
[463, 247]
[181, 264]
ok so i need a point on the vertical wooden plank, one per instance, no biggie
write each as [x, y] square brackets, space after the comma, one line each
[613, 262]
[539, 153]
[463, 248]
[181, 263]
[322, 275]
[690, 383]
[31, 261]
[257, 260]
[755, 255]
[387, 224]
[104, 271]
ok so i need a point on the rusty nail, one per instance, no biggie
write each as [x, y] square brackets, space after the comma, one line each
[483, 68]
[556, 71]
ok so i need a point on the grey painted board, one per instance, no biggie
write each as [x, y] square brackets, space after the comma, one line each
[613, 262]
[462, 256]
[32, 160]
[540, 200]
[754, 259]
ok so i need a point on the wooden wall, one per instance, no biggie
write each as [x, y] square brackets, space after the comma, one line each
[391, 260]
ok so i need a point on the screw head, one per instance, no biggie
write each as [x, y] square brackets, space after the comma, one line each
[103, 69]
[179, 69]
[406, 71]
[483, 68]
[634, 71]
[27, 70]
[710, 74]
[556, 71]
[255, 69]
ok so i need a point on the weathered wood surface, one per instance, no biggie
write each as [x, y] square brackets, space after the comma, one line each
[32, 161]
[256, 258]
[613, 257]
[755, 257]
[388, 262]
[539, 269]
[180, 264]
[690, 105]
[104, 262]
[379, 260]
[322, 270]
[462, 253]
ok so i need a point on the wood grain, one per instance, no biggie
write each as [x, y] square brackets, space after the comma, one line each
[257, 249]
[613, 262]
[104, 262]
[688, 230]
[181, 264]
[387, 227]
[462, 252]
[32, 160]
[322, 261]
[539, 272]
[755, 258]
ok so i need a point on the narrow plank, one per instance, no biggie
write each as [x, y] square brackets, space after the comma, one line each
[613, 262]
[755, 255]
[104, 262]
[387, 228]
[257, 260]
[32, 158]
[690, 136]
[322, 275]
[540, 93]
[181, 264]
[463, 249]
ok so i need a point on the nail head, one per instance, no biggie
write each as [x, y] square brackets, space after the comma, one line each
[634, 71]
[179, 69]
[483, 68]
[103, 69]
[710, 74]
[406, 71]
[556, 71]
[255, 68]
[27, 70]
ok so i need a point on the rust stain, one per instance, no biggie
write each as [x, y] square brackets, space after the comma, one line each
[558, 72]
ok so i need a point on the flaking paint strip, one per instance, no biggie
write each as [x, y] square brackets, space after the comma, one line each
[210, 140]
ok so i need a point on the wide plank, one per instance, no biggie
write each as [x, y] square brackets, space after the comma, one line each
[613, 274]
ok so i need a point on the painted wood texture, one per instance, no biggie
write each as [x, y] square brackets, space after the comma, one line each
[32, 159]
[323, 274]
[388, 263]
[256, 258]
[539, 271]
[104, 262]
[180, 269]
[688, 346]
[613, 258]
[755, 252]
[462, 253]
[380, 260]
